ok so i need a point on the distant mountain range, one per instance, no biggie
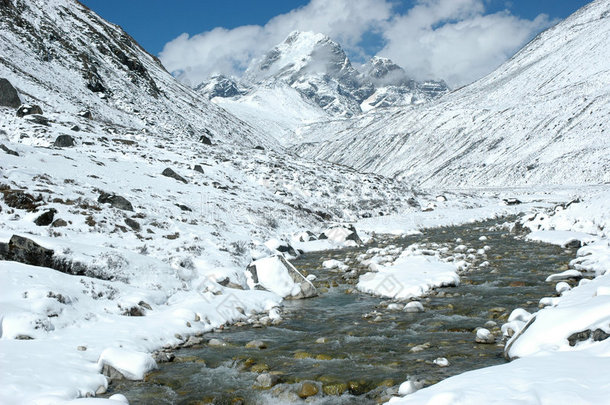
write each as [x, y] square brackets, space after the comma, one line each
[312, 73]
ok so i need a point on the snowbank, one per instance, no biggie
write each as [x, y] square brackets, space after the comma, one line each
[409, 277]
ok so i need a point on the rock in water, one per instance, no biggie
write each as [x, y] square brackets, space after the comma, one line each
[8, 94]
[64, 141]
[308, 389]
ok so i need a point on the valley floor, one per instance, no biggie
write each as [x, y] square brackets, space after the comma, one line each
[60, 330]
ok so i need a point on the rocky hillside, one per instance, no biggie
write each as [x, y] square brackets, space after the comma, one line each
[541, 118]
[66, 59]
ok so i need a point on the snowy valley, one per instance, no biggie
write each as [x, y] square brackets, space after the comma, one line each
[140, 217]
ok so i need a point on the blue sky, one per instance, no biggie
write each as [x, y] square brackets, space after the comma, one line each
[381, 27]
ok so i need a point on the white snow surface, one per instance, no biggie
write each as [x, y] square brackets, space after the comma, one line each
[409, 277]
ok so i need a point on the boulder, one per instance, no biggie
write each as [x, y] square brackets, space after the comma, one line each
[198, 168]
[115, 201]
[8, 94]
[24, 250]
[170, 173]
[342, 234]
[133, 224]
[46, 218]
[277, 275]
[27, 109]
[308, 389]
[64, 141]
[8, 151]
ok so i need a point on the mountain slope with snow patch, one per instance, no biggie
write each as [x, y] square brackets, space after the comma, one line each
[541, 118]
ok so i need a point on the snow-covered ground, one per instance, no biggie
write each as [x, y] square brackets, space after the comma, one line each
[165, 199]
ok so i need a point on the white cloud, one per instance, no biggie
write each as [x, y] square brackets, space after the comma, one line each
[450, 39]
[455, 40]
[194, 58]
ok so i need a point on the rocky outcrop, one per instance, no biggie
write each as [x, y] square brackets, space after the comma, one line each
[8, 94]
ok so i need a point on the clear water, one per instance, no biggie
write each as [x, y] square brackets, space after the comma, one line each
[365, 355]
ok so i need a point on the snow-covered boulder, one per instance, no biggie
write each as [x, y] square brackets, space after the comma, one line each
[277, 275]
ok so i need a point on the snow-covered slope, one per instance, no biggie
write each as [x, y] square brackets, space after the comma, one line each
[276, 109]
[66, 59]
[539, 118]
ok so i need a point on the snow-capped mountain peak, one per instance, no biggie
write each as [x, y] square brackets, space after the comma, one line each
[301, 53]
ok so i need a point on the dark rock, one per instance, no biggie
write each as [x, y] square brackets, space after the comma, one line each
[133, 224]
[27, 109]
[309, 236]
[170, 173]
[46, 218]
[354, 235]
[259, 147]
[24, 250]
[115, 201]
[38, 119]
[75, 128]
[64, 141]
[322, 236]
[58, 223]
[413, 202]
[287, 249]
[598, 335]
[205, 140]
[85, 114]
[145, 305]
[198, 168]
[184, 207]
[8, 151]
[577, 337]
[511, 201]
[8, 94]
[572, 244]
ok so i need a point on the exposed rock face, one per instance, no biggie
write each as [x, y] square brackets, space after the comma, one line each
[221, 86]
[8, 94]
[24, 250]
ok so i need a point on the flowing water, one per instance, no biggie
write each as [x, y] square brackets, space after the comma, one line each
[369, 349]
